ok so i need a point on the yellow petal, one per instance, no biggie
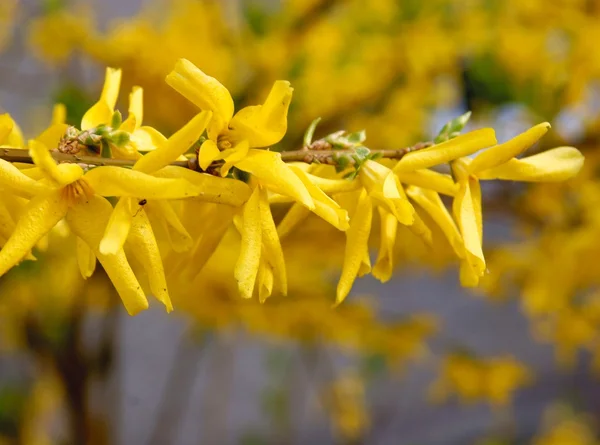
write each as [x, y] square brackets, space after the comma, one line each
[274, 174]
[384, 265]
[246, 267]
[557, 164]
[136, 111]
[499, 154]
[208, 153]
[102, 111]
[206, 92]
[211, 188]
[469, 277]
[6, 126]
[384, 188]
[175, 146]
[59, 114]
[432, 204]
[232, 156]
[179, 238]
[118, 181]
[325, 207]
[7, 222]
[40, 216]
[52, 135]
[420, 229]
[331, 186]
[142, 244]
[265, 281]
[85, 259]
[214, 229]
[431, 180]
[10, 133]
[87, 220]
[460, 146]
[357, 238]
[117, 228]
[266, 124]
[13, 180]
[272, 245]
[59, 175]
[467, 213]
[146, 139]
[294, 216]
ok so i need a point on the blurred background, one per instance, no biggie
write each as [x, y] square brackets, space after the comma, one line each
[415, 361]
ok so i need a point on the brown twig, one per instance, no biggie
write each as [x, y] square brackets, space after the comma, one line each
[306, 155]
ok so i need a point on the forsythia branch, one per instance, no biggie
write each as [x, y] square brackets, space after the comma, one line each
[307, 155]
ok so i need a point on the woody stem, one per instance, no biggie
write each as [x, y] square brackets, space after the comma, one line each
[306, 155]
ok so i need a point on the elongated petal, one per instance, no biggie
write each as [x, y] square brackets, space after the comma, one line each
[211, 188]
[87, 220]
[467, 213]
[60, 175]
[7, 222]
[118, 181]
[357, 238]
[265, 281]
[557, 164]
[142, 244]
[460, 146]
[85, 259]
[331, 186]
[266, 124]
[101, 112]
[325, 207]
[272, 246]
[40, 216]
[432, 204]
[420, 229]
[208, 153]
[146, 139]
[384, 188]
[499, 154]
[175, 146]
[233, 156]
[13, 180]
[246, 267]
[136, 111]
[384, 265]
[52, 135]
[431, 180]
[117, 228]
[10, 133]
[59, 114]
[6, 126]
[206, 92]
[274, 174]
[210, 237]
[295, 215]
[179, 238]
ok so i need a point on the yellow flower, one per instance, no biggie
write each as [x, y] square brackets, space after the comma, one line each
[261, 255]
[210, 188]
[499, 162]
[356, 256]
[385, 190]
[141, 138]
[260, 125]
[66, 192]
[232, 138]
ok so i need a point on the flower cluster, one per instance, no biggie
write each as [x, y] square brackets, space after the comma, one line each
[175, 198]
[474, 379]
